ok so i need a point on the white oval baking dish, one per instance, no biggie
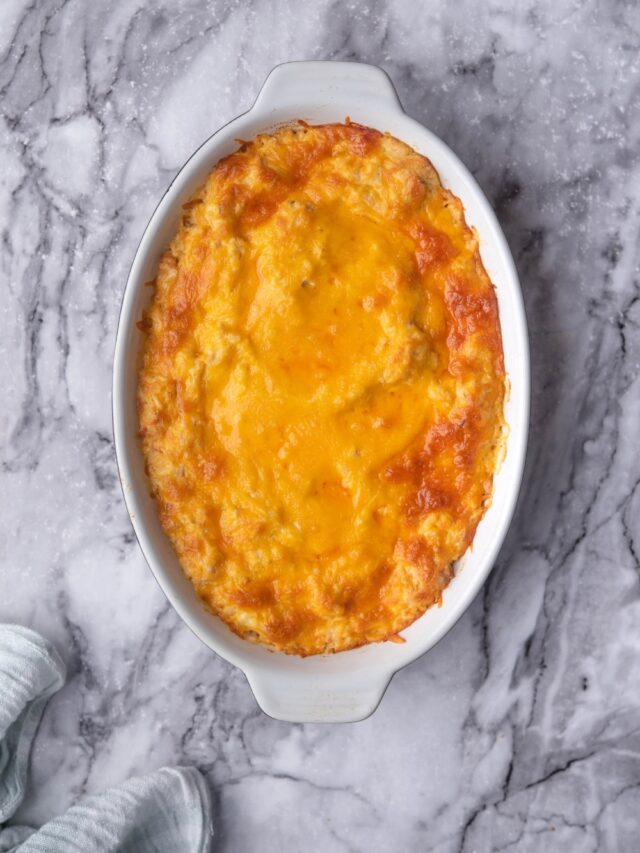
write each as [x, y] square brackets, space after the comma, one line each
[347, 686]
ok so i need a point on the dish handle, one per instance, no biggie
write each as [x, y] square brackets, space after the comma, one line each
[332, 83]
[317, 699]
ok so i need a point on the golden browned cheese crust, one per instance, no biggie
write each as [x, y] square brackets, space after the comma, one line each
[322, 387]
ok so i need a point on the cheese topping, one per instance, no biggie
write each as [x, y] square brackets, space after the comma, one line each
[322, 388]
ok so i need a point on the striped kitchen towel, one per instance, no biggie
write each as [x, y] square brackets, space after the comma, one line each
[163, 812]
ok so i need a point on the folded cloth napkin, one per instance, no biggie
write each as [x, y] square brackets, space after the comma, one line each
[168, 811]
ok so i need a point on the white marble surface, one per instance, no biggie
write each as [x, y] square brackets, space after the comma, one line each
[521, 730]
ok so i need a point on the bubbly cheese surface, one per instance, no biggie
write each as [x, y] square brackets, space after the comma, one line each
[322, 387]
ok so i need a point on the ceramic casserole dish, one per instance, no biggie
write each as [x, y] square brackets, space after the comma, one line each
[346, 686]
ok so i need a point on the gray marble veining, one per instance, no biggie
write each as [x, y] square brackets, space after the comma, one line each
[521, 730]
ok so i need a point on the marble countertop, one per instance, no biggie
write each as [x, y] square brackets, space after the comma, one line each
[521, 729]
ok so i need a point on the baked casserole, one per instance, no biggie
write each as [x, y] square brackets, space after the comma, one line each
[321, 390]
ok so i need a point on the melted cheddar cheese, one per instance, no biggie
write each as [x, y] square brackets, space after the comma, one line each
[322, 388]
